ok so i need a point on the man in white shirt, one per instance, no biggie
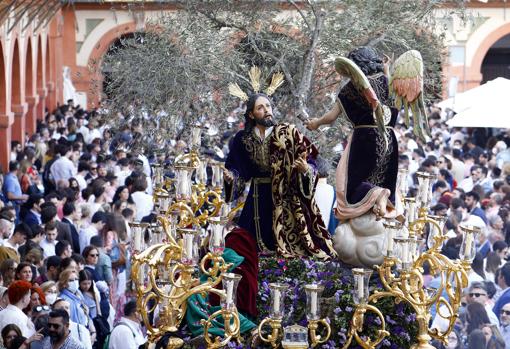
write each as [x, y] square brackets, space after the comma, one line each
[475, 175]
[19, 299]
[97, 223]
[63, 168]
[127, 333]
[50, 241]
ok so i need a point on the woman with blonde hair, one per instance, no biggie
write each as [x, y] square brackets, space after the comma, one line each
[68, 286]
[50, 291]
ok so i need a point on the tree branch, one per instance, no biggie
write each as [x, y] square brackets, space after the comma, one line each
[298, 9]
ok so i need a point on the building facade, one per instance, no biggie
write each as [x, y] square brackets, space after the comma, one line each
[33, 57]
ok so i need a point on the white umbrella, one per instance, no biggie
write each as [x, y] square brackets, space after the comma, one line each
[484, 116]
[494, 93]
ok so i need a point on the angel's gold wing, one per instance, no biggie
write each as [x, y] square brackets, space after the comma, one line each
[346, 67]
[406, 87]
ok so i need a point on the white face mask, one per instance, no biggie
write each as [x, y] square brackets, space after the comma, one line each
[51, 298]
[73, 286]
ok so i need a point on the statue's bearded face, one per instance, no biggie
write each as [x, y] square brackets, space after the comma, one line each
[262, 112]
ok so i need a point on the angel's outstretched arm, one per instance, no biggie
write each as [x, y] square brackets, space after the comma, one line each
[329, 117]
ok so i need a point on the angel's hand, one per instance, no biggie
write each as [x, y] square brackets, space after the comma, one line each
[386, 63]
[311, 124]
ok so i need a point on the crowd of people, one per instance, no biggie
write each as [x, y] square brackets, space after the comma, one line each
[72, 188]
[472, 188]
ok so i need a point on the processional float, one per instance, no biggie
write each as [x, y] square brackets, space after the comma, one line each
[166, 259]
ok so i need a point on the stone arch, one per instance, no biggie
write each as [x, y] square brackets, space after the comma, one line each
[95, 59]
[476, 62]
[18, 105]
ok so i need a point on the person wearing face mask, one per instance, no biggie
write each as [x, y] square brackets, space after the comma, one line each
[19, 298]
[69, 290]
[50, 291]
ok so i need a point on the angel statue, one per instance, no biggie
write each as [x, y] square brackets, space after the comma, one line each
[367, 172]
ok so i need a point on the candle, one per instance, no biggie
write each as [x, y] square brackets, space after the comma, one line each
[276, 304]
[313, 301]
[137, 238]
[217, 236]
[405, 252]
[389, 245]
[189, 246]
[360, 287]
[411, 212]
[230, 291]
[469, 243]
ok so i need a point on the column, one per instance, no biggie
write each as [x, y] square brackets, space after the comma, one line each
[18, 127]
[31, 118]
[5, 145]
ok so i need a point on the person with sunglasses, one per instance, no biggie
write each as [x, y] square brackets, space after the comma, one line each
[477, 293]
[504, 327]
[58, 332]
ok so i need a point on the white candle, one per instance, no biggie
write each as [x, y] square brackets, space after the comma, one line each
[276, 304]
[313, 304]
[411, 212]
[216, 236]
[424, 190]
[360, 287]
[137, 238]
[469, 243]
[405, 252]
[230, 291]
[389, 244]
[189, 246]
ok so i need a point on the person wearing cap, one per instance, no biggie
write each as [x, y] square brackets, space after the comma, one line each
[19, 298]
[97, 223]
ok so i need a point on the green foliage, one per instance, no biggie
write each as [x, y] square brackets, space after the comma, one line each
[187, 58]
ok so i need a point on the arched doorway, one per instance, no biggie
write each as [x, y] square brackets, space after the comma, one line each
[119, 44]
[496, 62]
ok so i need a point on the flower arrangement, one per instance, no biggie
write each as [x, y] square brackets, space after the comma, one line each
[337, 305]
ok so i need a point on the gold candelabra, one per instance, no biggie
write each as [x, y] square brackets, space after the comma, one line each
[275, 318]
[166, 254]
[401, 273]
